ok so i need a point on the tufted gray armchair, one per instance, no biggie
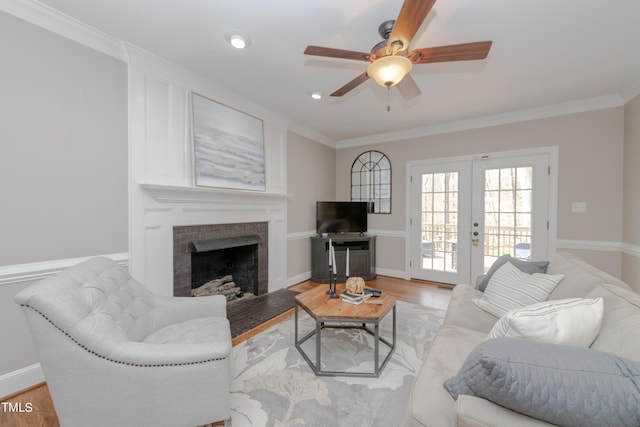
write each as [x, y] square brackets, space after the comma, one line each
[115, 354]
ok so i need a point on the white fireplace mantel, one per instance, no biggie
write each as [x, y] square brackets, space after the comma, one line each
[184, 194]
[163, 207]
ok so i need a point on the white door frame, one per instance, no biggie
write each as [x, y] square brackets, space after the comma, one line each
[463, 169]
[551, 151]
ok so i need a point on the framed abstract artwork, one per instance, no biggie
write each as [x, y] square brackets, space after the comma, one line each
[228, 147]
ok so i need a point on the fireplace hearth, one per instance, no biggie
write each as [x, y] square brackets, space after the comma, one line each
[203, 253]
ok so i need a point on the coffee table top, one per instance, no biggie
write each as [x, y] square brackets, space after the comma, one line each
[318, 304]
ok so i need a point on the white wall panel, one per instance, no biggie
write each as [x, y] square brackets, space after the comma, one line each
[161, 191]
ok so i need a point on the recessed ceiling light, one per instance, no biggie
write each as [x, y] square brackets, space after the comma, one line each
[237, 40]
[316, 95]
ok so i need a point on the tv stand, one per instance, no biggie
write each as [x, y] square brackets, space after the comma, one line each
[362, 256]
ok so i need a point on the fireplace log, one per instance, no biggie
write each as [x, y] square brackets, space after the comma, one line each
[224, 285]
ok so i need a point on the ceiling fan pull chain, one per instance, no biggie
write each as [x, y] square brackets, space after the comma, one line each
[388, 98]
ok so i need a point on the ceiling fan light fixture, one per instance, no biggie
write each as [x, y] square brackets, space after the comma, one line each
[389, 70]
[316, 95]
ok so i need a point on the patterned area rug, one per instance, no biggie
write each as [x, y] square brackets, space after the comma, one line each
[274, 386]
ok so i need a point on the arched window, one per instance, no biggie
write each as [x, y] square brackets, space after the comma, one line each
[371, 181]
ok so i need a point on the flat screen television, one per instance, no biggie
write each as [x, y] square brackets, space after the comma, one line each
[341, 217]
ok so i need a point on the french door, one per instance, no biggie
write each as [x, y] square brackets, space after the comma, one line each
[440, 221]
[465, 213]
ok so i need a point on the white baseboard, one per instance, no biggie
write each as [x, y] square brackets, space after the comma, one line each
[22, 379]
[298, 278]
[381, 271]
[400, 274]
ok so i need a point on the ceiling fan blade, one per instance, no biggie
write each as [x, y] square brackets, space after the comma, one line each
[409, 19]
[454, 52]
[408, 88]
[352, 84]
[336, 53]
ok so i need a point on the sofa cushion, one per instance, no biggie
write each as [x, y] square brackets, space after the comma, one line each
[510, 288]
[621, 318]
[563, 385]
[429, 403]
[529, 267]
[574, 321]
[579, 277]
[474, 411]
[463, 312]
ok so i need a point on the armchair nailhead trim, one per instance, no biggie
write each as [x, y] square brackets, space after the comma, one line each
[215, 359]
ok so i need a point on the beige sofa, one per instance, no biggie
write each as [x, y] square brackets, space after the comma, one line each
[466, 325]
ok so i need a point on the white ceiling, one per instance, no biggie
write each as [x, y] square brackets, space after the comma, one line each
[544, 52]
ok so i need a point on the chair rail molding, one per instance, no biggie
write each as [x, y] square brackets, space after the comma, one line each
[629, 249]
[300, 235]
[590, 245]
[19, 273]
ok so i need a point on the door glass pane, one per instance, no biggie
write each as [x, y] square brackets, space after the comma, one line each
[508, 211]
[438, 250]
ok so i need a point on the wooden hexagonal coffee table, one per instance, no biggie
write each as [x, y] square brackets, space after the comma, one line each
[334, 313]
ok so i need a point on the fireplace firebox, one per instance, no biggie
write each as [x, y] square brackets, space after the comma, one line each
[209, 252]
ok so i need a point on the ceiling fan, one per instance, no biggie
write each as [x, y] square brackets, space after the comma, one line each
[391, 60]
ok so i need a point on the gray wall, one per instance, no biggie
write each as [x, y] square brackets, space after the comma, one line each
[311, 172]
[64, 166]
[63, 157]
[590, 169]
[63, 161]
[631, 217]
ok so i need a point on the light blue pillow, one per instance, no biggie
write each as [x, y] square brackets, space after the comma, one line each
[563, 385]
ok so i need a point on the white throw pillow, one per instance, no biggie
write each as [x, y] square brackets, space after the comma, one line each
[510, 288]
[573, 321]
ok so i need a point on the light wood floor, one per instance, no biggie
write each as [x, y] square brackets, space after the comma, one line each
[38, 398]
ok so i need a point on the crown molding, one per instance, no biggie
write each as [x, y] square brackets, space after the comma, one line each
[63, 25]
[312, 134]
[572, 107]
[66, 26]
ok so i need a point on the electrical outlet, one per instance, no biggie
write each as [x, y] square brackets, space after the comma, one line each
[578, 207]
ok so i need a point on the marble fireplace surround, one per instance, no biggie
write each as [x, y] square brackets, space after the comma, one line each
[185, 236]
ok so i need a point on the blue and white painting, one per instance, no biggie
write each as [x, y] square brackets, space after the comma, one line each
[228, 146]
